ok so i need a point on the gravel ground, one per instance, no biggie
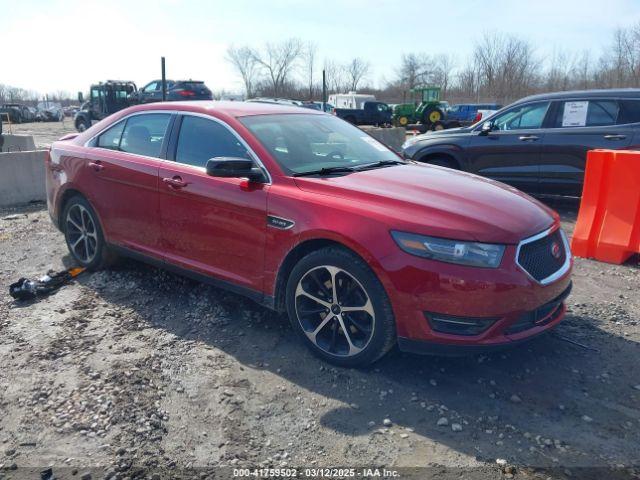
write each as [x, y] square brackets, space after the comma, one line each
[134, 369]
[134, 372]
[44, 133]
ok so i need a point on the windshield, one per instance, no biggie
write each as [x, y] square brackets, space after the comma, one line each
[304, 143]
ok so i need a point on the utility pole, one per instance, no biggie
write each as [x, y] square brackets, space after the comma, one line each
[164, 80]
[324, 91]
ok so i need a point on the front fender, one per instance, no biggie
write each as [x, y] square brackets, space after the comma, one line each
[450, 149]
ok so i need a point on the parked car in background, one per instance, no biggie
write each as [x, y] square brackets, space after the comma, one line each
[16, 113]
[309, 215]
[50, 111]
[466, 113]
[179, 90]
[371, 113]
[538, 144]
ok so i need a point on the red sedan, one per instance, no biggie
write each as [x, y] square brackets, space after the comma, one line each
[307, 214]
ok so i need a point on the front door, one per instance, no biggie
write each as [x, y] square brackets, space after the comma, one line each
[215, 226]
[579, 125]
[510, 152]
[122, 170]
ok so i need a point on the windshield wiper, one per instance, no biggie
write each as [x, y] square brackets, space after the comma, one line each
[326, 171]
[381, 163]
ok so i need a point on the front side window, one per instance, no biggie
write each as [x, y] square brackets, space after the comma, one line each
[522, 117]
[587, 113]
[306, 142]
[143, 134]
[111, 138]
[202, 139]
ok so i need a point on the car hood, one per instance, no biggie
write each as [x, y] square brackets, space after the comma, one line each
[437, 201]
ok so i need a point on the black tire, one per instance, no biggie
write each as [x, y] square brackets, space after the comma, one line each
[426, 115]
[82, 124]
[358, 284]
[102, 256]
[442, 161]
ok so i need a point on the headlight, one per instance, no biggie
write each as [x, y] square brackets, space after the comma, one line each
[473, 254]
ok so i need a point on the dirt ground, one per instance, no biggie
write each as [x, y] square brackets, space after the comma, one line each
[44, 133]
[133, 372]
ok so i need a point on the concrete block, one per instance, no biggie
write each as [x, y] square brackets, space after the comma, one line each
[17, 143]
[22, 177]
[392, 137]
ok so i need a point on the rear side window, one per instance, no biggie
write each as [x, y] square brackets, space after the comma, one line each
[629, 111]
[587, 113]
[143, 134]
[201, 139]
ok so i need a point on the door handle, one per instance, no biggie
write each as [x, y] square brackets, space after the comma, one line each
[97, 165]
[528, 138]
[615, 137]
[175, 182]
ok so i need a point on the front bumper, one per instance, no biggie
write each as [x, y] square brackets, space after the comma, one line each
[507, 297]
[531, 324]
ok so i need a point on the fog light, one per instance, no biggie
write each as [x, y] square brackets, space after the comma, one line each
[459, 325]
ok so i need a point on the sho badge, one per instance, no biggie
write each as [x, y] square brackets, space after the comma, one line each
[278, 222]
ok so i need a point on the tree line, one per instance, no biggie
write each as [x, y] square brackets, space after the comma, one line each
[501, 68]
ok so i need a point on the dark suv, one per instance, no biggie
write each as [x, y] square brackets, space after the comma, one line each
[176, 91]
[538, 144]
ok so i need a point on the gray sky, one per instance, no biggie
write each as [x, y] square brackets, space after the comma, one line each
[68, 44]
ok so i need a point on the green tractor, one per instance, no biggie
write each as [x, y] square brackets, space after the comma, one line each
[429, 110]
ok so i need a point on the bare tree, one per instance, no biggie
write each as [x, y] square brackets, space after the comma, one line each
[243, 60]
[278, 60]
[309, 55]
[356, 71]
[444, 65]
[506, 66]
[335, 77]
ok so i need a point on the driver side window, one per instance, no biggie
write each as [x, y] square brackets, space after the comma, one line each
[522, 117]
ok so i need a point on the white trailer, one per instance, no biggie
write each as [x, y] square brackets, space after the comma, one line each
[350, 100]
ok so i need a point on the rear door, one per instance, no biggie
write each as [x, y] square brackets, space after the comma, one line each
[579, 125]
[215, 226]
[121, 174]
[510, 153]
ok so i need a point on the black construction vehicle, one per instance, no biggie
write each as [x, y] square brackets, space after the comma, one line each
[105, 98]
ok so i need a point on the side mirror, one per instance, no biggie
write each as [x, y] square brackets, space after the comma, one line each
[234, 167]
[486, 128]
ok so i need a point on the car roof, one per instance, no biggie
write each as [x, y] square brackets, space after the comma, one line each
[586, 94]
[226, 108]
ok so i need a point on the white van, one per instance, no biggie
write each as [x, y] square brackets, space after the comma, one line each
[350, 100]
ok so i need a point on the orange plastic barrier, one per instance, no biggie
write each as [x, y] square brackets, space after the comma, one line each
[608, 226]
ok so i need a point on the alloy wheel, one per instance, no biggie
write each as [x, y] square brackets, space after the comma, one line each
[334, 311]
[82, 235]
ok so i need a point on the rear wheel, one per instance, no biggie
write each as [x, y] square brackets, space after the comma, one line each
[83, 234]
[339, 308]
[432, 115]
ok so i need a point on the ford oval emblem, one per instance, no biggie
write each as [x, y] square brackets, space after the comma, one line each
[555, 250]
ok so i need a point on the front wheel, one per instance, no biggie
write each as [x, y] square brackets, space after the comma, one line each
[339, 308]
[82, 124]
[83, 234]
